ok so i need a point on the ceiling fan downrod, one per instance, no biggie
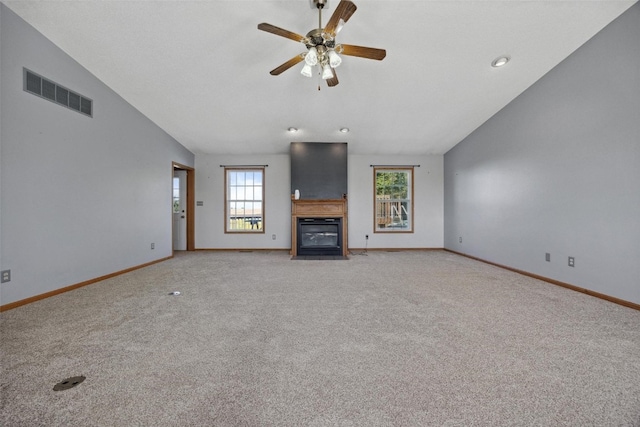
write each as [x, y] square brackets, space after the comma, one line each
[320, 5]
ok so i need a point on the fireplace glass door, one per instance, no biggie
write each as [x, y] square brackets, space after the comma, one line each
[319, 236]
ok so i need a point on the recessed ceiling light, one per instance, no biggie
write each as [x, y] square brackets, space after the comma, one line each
[344, 130]
[292, 129]
[500, 61]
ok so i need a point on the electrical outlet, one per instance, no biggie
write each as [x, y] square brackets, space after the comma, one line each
[273, 237]
[572, 261]
[6, 276]
[366, 237]
[153, 246]
[460, 239]
[547, 257]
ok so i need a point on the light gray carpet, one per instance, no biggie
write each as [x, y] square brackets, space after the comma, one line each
[255, 339]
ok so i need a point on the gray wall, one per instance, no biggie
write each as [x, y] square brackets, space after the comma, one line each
[277, 204]
[558, 171]
[81, 197]
[427, 202]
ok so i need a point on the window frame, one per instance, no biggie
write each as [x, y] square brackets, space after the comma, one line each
[227, 210]
[410, 193]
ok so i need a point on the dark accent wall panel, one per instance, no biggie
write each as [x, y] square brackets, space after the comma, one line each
[319, 169]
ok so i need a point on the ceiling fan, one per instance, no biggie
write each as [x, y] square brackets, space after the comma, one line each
[322, 49]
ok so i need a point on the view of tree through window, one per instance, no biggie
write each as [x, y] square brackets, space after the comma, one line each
[393, 199]
[244, 200]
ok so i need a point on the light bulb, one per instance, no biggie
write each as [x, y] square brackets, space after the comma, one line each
[334, 59]
[326, 72]
[311, 58]
[306, 70]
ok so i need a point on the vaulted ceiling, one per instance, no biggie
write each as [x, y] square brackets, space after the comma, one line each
[200, 69]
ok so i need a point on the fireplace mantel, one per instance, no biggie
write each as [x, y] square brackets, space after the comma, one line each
[311, 208]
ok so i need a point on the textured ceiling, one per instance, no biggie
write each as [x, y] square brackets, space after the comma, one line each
[200, 69]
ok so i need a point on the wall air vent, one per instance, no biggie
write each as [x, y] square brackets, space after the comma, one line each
[44, 88]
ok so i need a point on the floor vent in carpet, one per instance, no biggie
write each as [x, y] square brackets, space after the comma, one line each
[68, 383]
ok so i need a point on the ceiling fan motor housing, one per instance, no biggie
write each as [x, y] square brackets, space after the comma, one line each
[317, 37]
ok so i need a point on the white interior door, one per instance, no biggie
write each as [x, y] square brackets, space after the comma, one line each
[179, 210]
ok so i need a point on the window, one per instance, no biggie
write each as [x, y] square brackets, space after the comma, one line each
[244, 200]
[393, 200]
[176, 195]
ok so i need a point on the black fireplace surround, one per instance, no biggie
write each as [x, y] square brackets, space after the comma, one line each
[319, 236]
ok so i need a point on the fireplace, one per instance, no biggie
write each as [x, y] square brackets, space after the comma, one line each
[319, 236]
[319, 200]
[319, 227]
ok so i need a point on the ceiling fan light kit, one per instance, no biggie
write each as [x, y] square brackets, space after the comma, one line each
[306, 71]
[311, 58]
[334, 59]
[322, 49]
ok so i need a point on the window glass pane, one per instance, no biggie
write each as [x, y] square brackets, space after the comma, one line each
[249, 211]
[176, 195]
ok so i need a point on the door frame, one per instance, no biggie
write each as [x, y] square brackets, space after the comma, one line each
[190, 204]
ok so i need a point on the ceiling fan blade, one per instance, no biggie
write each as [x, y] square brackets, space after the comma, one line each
[344, 11]
[290, 63]
[281, 32]
[361, 51]
[333, 81]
